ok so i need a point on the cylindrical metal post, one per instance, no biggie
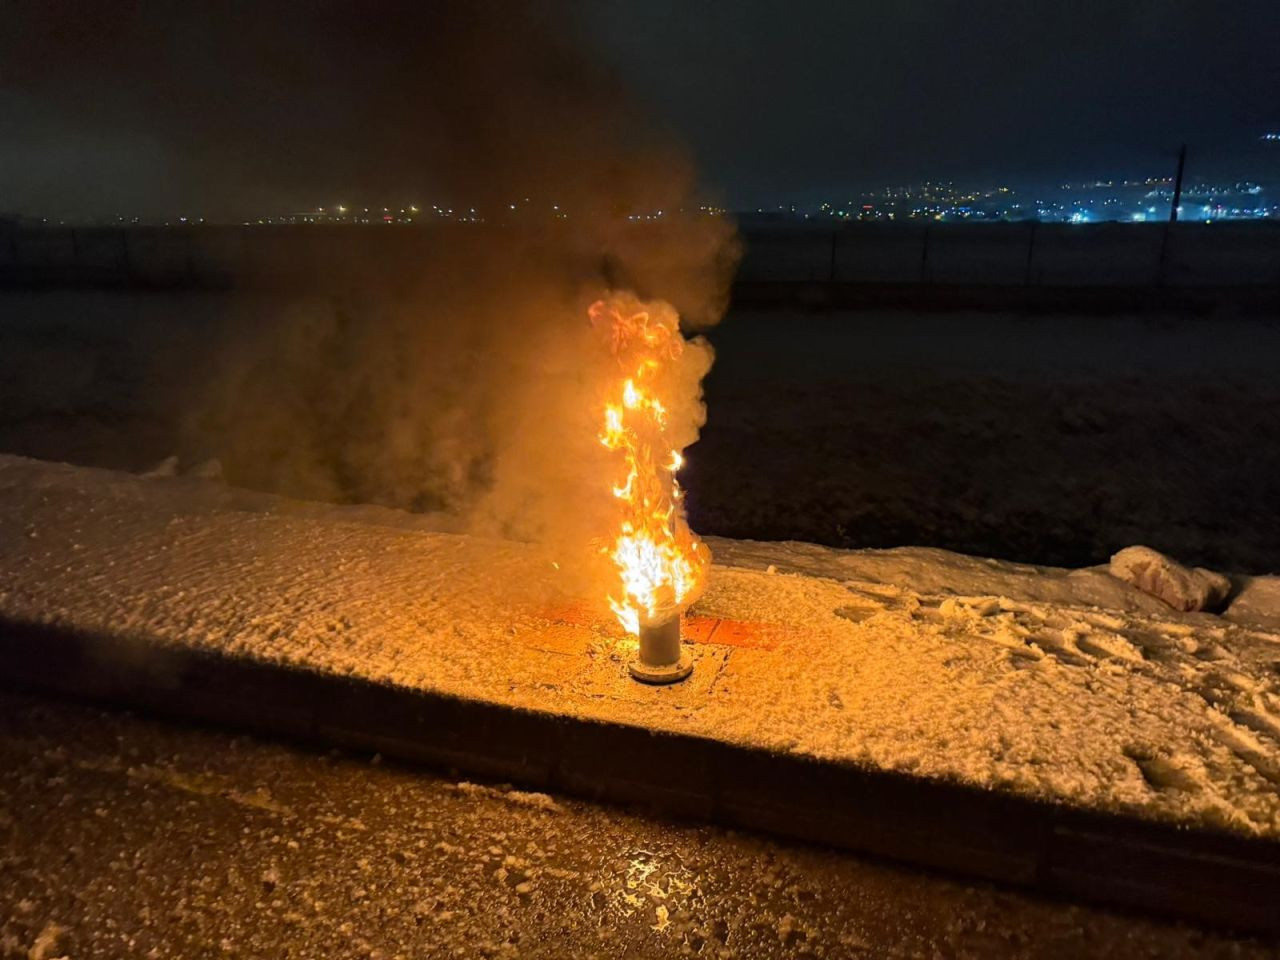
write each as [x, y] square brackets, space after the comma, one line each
[660, 658]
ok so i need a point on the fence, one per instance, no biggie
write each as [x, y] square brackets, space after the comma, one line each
[1238, 253]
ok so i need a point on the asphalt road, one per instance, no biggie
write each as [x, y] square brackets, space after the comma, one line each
[124, 837]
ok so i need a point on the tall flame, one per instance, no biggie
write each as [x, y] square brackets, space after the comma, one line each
[661, 565]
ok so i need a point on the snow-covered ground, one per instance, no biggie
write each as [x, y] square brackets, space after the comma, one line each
[1062, 685]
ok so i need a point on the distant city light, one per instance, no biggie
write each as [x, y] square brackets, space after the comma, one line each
[1097, 200]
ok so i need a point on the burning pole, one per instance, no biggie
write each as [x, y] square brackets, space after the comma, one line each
[660, 564]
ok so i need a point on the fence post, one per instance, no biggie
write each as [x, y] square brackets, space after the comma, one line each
[834, 235]
[924, 256]
[1031, 251]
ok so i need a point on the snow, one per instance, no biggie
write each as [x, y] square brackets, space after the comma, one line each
[1181, 587]
[929, 570]
[45, 943]
[1063, 685]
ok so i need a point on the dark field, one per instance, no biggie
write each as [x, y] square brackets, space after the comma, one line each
[1053, 439]
[1046, 439]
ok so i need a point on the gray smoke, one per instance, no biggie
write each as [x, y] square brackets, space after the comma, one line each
[453, 373]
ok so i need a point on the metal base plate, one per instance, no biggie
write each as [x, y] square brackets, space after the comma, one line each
[668, 673]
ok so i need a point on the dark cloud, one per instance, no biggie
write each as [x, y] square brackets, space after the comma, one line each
[227, 106]
[449, 370]
[242, 104]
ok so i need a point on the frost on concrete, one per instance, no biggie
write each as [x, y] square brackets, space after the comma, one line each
[1064, 685]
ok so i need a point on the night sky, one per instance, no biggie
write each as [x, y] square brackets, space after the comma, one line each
[151, 108]
[805, 97]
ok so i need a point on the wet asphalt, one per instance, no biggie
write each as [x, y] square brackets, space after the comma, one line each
[128, 837]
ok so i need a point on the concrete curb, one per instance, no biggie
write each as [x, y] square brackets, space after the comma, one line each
[1198, 875]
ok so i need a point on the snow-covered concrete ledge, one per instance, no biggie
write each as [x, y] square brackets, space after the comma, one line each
[1045, 727]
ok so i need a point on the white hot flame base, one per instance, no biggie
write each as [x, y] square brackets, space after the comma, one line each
[660, 658]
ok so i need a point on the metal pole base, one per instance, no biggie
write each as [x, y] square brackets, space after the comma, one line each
[670, 673]
[660, 658]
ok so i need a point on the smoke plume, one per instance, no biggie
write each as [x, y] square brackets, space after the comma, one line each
[453, 373]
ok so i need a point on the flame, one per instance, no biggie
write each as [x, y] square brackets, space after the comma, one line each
[660, 563]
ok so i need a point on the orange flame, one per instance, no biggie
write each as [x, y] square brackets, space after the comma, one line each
[661, 564]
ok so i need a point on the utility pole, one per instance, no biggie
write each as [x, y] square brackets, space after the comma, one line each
[1177, 185]
[1162, 270]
